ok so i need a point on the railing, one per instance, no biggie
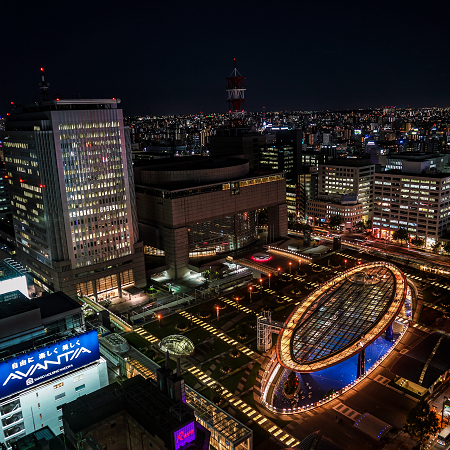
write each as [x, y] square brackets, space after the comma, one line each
[273, 365]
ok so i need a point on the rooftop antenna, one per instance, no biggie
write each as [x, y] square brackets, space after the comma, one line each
[43, 86]
[235, 96]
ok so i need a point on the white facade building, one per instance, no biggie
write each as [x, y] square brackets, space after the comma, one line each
[419, 203]
[41, 405]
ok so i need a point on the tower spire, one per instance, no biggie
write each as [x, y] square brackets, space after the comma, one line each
[235, 96]
[43, 86]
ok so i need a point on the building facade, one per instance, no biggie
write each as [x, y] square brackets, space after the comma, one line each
[47, 358]
[418, 202]
[321, 210]
[71, 186]
[349, 176]
[201, 207]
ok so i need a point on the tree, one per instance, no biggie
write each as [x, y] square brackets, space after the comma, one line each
[400, 235]
[359, 226]
[436, 247]
[421, 423]
[446, 247]
[368, 224]
[290, 385]
[419, 242]
[335, 221]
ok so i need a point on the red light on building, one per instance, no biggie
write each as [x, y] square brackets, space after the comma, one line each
[21, 180]
[42, 69]
[12, 103]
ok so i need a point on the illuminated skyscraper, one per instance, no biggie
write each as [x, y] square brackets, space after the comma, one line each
[71, 184]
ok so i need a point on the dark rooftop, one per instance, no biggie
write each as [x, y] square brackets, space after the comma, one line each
[41, 439]
[350, 162]
[412, 364]
[192, 163]
[318, 442]
[138, 397]
[54, 304]
[14, 303]
[7, 271]
[425, 174]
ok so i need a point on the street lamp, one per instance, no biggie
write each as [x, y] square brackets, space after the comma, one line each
[159, 320]
[442, 417]
[290, 267]
[217, 309]
[269, 275]
[345, 264]
[250, 290]
[260, 283]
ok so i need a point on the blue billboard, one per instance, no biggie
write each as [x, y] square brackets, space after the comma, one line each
[41, 365]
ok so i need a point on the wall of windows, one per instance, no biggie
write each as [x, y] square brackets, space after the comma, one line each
[224, 234]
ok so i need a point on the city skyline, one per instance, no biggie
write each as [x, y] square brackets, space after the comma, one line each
[172, 59]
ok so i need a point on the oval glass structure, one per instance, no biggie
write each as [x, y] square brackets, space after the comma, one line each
[177, 345]
[341, 317]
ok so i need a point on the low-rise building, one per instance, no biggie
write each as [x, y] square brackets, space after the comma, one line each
[345, 206]
[47, 358]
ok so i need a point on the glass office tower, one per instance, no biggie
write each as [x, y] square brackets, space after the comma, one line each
[71, 185]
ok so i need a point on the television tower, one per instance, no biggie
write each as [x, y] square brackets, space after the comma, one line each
[235, 93]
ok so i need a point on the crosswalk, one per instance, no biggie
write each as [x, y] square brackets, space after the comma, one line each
[243, 407]
[221, 335]
[146, 335]
[382, 380]
[347, 412]
[433, 283]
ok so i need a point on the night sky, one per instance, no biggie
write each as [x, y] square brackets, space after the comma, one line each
[172, 57]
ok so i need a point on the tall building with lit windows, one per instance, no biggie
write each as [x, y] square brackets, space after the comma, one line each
[348, 176]
[71, 184]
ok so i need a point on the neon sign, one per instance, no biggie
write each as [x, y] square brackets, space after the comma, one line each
[43, 364]
[184, 435]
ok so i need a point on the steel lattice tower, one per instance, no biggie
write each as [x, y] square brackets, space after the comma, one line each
[235, 94]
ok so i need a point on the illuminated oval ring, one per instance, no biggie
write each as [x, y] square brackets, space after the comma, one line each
[298, 320]
[261, 257]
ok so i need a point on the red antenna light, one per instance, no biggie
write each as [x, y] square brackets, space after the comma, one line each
[12, 103]
[42, 69]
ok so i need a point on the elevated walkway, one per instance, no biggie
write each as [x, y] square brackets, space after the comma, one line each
[256, 266]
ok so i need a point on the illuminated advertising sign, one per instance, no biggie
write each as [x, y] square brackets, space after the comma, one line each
[41, 365]
[184, 435]
[357, 131]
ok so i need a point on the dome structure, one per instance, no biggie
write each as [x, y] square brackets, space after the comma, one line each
[177, 345]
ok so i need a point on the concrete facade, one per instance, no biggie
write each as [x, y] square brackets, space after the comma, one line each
[172, 211]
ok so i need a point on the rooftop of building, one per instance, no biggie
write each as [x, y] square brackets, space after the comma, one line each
[317, 441]
[424, 174]
[42, 439]
[425, 362]
[187, 163]
[58, 104]
[138, 397]
[54, 304]
[8, 271]
[348, 162]
[415, 156]
[14, 303]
